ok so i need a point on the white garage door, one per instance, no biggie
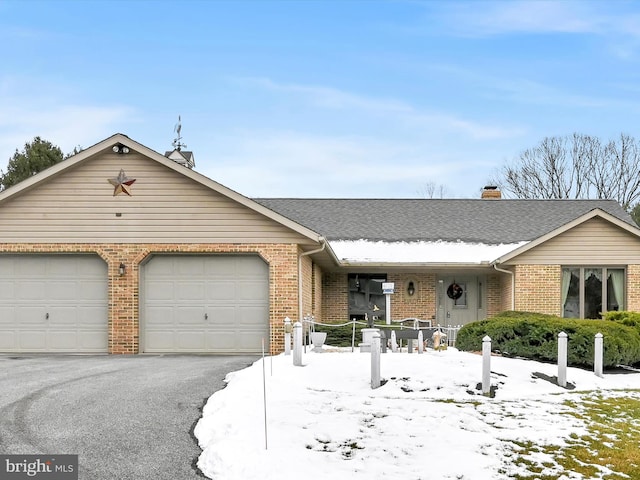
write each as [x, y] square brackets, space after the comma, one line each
[205, 303]
[53, 303]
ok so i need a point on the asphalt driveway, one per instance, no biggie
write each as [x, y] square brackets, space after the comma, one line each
[127, 417]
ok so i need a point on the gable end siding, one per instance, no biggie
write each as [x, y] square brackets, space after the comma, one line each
[78, 206]
[595, 242]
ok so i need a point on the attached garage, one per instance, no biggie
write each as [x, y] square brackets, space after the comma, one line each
[205, 304]
[53, 303]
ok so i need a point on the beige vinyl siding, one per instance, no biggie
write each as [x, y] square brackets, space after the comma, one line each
[165, 207]
[594, 242]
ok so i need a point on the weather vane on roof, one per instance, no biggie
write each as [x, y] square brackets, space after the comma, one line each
[177, 142]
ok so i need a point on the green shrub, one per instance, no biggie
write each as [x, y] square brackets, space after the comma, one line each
[340, 336]
[630, 319]
[534, 336]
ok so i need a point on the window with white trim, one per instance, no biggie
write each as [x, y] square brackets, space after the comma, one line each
[588, 292]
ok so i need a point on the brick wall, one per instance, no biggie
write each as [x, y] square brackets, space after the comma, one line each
[496, 298]
[633, 288]
[316, 295]
[124, 291]
[422, 304]
[307, 287]
[538, 288]
[335, 297]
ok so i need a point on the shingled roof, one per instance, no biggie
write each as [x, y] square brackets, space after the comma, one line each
[466, 220]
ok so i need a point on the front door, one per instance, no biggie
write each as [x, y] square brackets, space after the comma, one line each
[461, 299]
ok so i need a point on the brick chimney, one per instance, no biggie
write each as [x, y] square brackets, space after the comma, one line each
[491, 192]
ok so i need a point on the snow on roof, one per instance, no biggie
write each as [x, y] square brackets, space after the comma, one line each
[419, 252]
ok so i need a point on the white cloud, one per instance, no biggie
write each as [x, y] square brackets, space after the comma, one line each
[615, 23]
[393, 110]
[498, 18]
[52, 117]
[271, 163]
[328, 97]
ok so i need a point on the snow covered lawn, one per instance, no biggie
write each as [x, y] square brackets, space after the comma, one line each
[428, 421]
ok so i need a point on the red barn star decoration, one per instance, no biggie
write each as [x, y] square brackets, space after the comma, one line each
[121, 184]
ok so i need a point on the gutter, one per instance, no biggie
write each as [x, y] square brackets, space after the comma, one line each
[513, 284]
[323, 241]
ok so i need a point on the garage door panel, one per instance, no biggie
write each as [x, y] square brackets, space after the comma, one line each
[249, 315]
[222, 340]
[8, 340]
[8, 268]
[30, 290]
[61, 267]
[159, 290]
[251, 290]
[154, 269]
[221, 266]
[220, 286]
[91, 342]
[63, 341]
[30, 316]
[92, 290]
[248, 341]
[162, 340]
[252, 269]
[224, 315]
[189, 266]
[159, 316]
[32, 341]
[190, 316]
[190, 341]
[92, 317]
[31, 265]
[190, 290]
[63, 317]
[7, 290]
[7, 317]
[222, 290]
[71, 289]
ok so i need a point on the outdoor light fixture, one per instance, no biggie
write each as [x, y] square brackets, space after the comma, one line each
[121, 269]
[119, 148]
[411, 289]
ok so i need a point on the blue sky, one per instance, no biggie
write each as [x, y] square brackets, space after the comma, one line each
[322, 99]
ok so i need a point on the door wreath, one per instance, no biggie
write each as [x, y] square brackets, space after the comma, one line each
[454, 291]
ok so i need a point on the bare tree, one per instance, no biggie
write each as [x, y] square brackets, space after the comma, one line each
[431, 190]
[577, 166]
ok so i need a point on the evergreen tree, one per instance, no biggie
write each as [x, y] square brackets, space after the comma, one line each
[34, 157]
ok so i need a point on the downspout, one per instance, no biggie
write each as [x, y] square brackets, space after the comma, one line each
[513, 285]
[304, 254]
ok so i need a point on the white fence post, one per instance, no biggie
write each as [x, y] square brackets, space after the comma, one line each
[288, 328]
[598, 353]
[486, 365]
[420, 341]
[297, 344]
[394, 341]
[375, 360]
[562, 359]
[353, 335]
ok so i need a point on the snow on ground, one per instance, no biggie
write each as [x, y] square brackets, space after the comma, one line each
[419, 252]
[428, 421]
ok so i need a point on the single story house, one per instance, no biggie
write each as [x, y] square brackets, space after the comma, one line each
[121, 249]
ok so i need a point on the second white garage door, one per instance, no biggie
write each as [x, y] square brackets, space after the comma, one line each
[205, 304]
